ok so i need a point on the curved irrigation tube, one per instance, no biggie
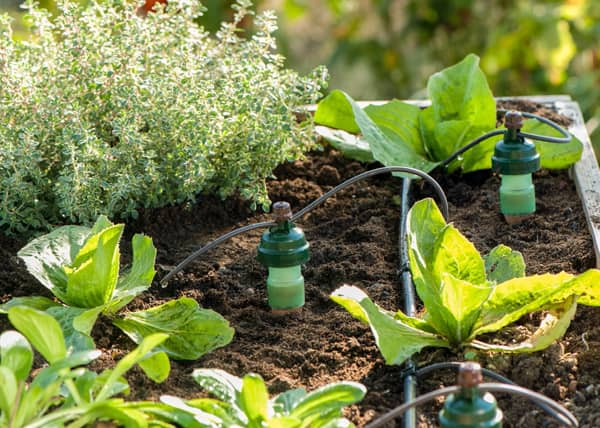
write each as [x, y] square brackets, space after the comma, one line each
[311, 206]
[566, 137]
[566, 417]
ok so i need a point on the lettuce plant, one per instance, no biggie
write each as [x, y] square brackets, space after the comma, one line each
[466, 296]
[64, 392]
[462, 109]
[245, 403]
[80, 266]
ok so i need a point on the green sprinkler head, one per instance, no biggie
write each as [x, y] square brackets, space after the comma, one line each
[470, 408]
[283, 249]
[515, 159]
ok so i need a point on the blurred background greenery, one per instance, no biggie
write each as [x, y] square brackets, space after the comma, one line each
[380, 49]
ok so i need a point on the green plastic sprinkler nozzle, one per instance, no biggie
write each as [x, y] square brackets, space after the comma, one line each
[283, 249]
[515, 159]
[470, 408]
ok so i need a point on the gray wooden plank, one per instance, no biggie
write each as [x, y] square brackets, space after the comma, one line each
[585, 172]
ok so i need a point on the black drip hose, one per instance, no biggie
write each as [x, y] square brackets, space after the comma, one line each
[386, 169]
[409, 382]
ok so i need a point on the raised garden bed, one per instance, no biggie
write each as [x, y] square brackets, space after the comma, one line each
[354, 240]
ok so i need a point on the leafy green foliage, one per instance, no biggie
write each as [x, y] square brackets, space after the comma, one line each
[105, 111]
[80, 266]
[464, 297]
[63, 391]
[462, 109]
[245, 402]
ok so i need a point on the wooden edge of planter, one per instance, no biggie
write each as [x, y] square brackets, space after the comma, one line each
[585, 173]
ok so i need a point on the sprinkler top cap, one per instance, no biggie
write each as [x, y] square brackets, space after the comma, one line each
[515, 156]
[469, 375]
[281, 211]
[513, 120]
[283, 245]
[470, 407]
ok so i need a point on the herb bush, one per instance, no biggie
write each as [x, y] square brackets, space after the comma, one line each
[105, 112]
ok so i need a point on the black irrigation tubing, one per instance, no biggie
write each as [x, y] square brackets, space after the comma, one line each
[409, 382]
[566, 137]
[566, 417]
[386, 169]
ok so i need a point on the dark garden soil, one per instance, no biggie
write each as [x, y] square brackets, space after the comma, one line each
[354, 238]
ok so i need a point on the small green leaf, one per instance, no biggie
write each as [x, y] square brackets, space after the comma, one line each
[156, 366]
[75, 340]
[139, 277]
[463, 106]
[285, 402]
[8, 390]
[553, 156]
[329, 398]
[425, 223]
[254, 399]
[16, 354]
[127, 362]
[396, 152]
[336, 112]
[512, 299]
[224, 386]
[192, 331]
[399, 121]
[396, 340]
[352, 146]
[166, 413]
[45, 256]
[36, 302]
[502, 264]
[228, 413]
[206, 419]
[464, 301]
[455, 255]
[551, 329]
[92, 277]
[42, 331]
[115, 411]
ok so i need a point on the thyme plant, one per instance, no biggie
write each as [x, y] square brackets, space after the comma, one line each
[104, 111]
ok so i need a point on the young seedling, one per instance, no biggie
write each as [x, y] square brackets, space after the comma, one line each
[466, 295]
[80, 266]
[64, 392]
[245, 403]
